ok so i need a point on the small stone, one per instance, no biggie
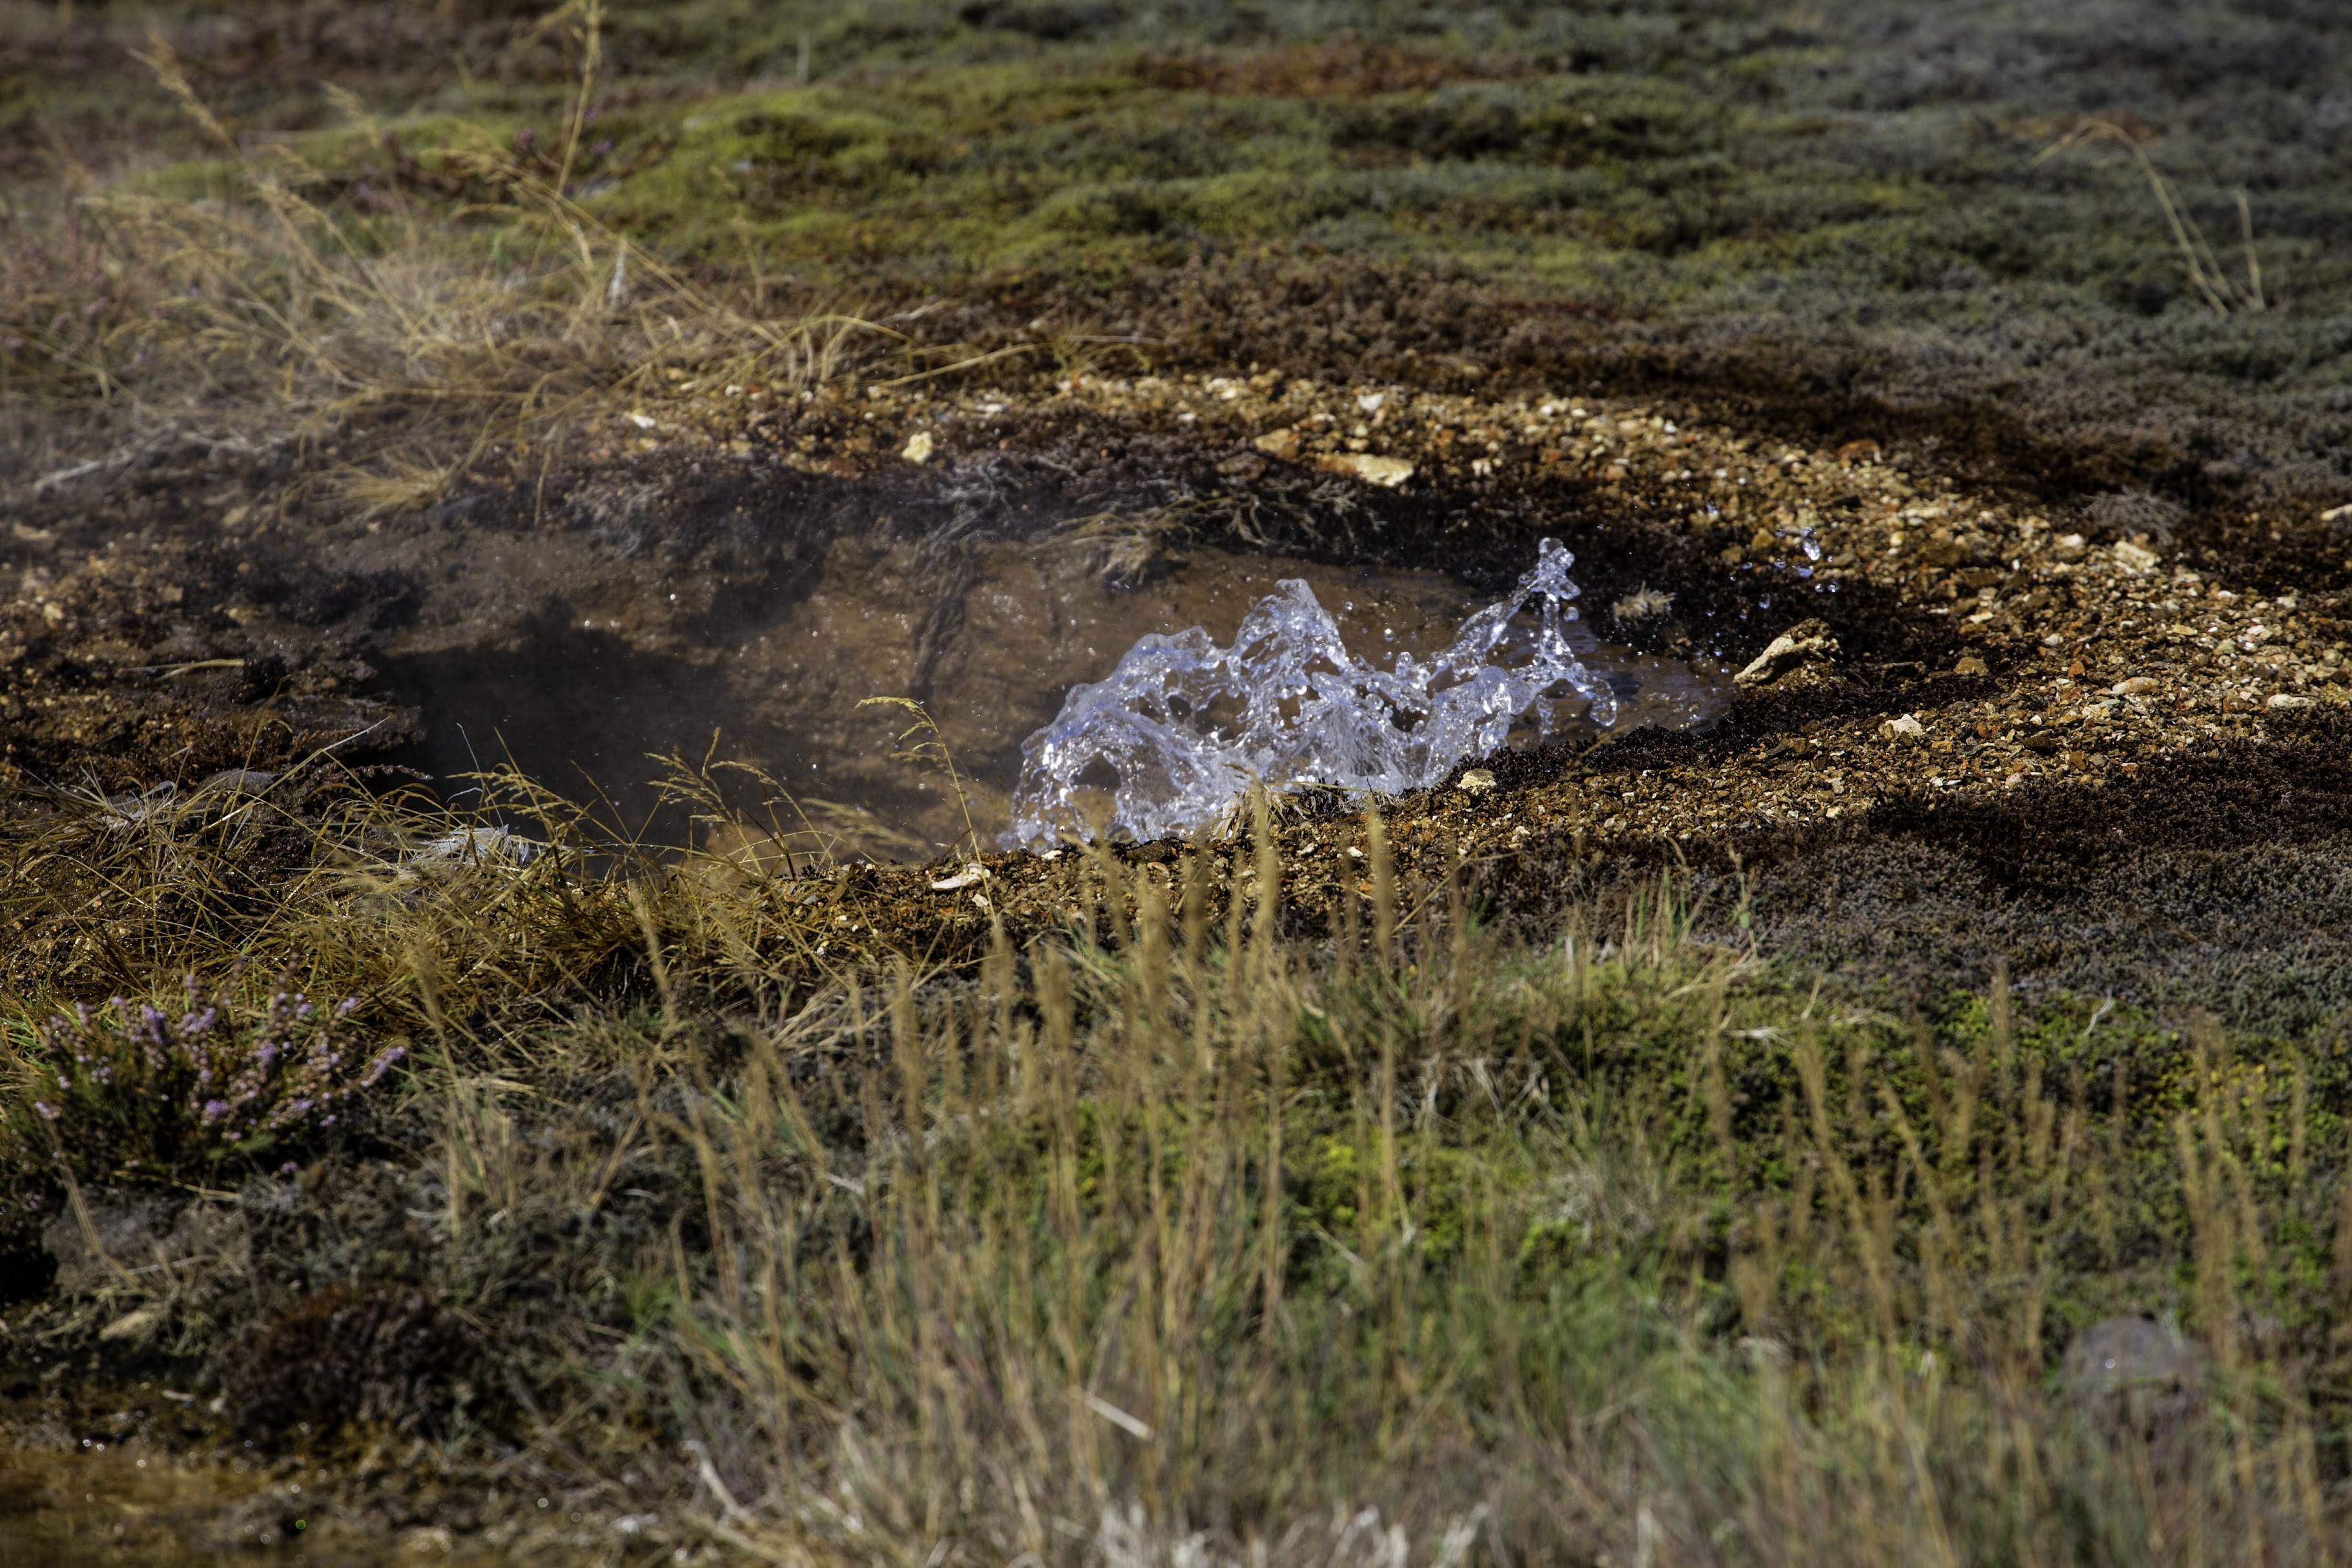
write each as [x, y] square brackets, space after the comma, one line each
[2137, 686]
[1477, 780]
[918, 448]
[1282, 444]
[1801, 644]
[960, 879]
[1906, 728]
[2287, 699]
[2135, 557]
[1970, 665]
[1386, 473]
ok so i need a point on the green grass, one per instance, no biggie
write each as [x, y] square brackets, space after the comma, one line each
[1161, 1224]
[1841, 189]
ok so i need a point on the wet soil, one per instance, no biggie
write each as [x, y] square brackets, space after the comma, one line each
[1957, 655]
[991, 634]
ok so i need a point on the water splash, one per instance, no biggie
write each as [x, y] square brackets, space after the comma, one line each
[1183, 727]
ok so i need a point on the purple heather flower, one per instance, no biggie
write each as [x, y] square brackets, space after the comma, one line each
[48, 1111]
[214, 1110]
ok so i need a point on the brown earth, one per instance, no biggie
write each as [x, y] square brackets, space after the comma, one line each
[1989, 729]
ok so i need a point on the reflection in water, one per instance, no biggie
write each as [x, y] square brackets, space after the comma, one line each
[129, 1506]
[81, 1509]
[991, 647]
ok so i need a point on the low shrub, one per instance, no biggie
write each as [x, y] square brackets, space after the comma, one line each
[133, 1092]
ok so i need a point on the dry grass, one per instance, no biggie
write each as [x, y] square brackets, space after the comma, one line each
[386, 329]
[1166, 1237]
[1175, 1253]
[2223, 294]
[1156, 1236]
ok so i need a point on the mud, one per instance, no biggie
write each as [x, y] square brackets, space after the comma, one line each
[727, 560]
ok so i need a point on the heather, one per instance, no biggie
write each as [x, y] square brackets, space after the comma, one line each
[133, 1092]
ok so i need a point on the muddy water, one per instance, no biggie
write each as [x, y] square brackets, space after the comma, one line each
[990, 649]
[95, 1508]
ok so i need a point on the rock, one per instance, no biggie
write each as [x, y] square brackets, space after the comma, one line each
[1282, 444]
[2281, 700]
[2135, 557]
[2130, 1374]
[1906, 728]
[1970, 664]
[1477, 780]
[1387, 472]
[918, 448]
[2137, 686]
[1804, 643]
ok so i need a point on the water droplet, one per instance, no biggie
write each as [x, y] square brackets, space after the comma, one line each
[1291, 702]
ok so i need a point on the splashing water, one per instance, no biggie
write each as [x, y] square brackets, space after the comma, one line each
[1183, 727]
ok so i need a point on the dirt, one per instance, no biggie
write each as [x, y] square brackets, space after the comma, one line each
[2003, 706]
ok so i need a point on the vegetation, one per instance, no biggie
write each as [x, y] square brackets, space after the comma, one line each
[1664, 190]
[1167, 1236]
[1159, 1227]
